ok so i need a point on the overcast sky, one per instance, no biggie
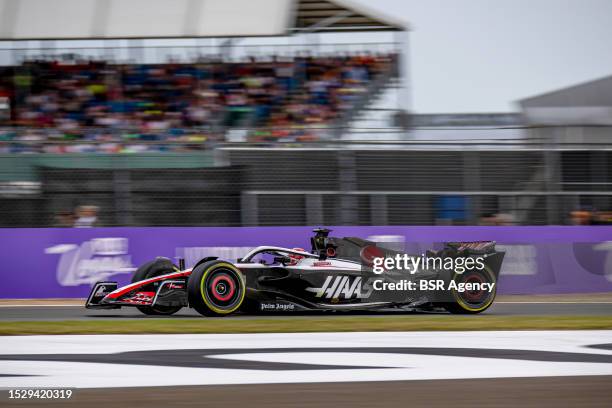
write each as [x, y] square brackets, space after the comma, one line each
[483, 55]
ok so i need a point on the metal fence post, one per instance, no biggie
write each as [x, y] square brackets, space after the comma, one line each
[314, 209]
[249, 213]
[471, 182]
[122, 196]
[347, 179]
[221, 158]
[379, 214]
[599, 179]
[552, 166]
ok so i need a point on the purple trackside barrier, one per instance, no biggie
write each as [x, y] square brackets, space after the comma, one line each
[63, 263]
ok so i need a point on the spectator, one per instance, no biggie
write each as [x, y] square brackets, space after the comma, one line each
[64, 219]
[86, 216]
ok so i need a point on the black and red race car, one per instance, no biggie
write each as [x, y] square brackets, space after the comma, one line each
[336, 275]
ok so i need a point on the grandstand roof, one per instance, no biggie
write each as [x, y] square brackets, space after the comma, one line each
[588, 103]
[341, 15]
[106, 19]
[592, 93]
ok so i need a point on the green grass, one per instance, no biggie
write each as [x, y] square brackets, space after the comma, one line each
[309, 324]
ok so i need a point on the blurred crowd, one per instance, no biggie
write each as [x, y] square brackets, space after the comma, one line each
[590, 216]
[99, 106]
[83, 216]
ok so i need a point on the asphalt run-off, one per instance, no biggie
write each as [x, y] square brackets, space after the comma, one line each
[111, 361]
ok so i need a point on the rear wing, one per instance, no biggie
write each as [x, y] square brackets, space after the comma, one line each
[473, 247]
[486, 249]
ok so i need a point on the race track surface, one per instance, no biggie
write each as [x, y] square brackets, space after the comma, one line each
[548, 392]
[435, 369]
[76, 312]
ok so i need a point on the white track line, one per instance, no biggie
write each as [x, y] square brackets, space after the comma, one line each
[389, 366]
[44, 305]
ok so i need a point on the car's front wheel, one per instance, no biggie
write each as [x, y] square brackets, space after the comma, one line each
[151, 269]
[216, 288]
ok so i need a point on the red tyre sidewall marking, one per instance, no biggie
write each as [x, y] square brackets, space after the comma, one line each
[469, 296]
[230, 292]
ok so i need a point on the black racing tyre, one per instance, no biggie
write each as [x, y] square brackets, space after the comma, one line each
[472, 302]
[216, 288]
[151, 269]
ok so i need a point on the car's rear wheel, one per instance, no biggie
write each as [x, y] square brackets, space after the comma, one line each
[216, 288]
[157, 267]
[474, 301]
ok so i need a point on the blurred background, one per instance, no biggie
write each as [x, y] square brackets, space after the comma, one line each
[304, 112]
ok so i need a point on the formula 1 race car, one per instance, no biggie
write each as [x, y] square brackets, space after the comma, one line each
[339, 274]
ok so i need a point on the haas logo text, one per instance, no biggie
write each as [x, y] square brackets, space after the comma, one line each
[343, 287]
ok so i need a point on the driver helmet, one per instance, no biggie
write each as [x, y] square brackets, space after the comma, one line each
[295, 258]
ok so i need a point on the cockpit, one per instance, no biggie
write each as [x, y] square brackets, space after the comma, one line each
[269, 255]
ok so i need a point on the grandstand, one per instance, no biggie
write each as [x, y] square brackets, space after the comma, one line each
[225, 112]
[117, 104]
